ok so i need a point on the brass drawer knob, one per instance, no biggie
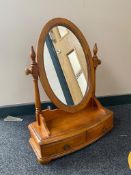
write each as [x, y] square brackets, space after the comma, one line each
[66, 147]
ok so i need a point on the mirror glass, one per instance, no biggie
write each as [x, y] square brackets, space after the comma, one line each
[65, 65]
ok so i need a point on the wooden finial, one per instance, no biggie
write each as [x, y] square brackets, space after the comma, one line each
[33, 55]
[95, 58]
[95, 50]
[33, 69]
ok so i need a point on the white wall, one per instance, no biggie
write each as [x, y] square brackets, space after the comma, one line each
[107, 22]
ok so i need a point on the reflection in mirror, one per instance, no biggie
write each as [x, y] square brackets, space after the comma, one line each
[62, 31]
[78, 72]
[65, 65]
[54, 82]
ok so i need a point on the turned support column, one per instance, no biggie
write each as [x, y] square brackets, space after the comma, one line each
[33, 70]
[96, 62]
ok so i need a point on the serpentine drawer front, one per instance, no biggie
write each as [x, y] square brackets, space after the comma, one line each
[65, 146]
[98, 131]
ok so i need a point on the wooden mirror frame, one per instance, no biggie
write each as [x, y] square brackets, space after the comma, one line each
[43, 75]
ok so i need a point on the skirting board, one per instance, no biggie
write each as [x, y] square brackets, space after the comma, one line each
[29, 108]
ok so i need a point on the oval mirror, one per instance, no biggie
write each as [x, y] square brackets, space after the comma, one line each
[65, 66]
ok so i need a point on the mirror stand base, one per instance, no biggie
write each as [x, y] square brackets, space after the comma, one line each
[69, 132]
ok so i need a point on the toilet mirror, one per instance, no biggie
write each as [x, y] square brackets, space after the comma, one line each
[64, 61]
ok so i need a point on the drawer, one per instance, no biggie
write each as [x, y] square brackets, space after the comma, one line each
[98, 131]
[66, 145]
